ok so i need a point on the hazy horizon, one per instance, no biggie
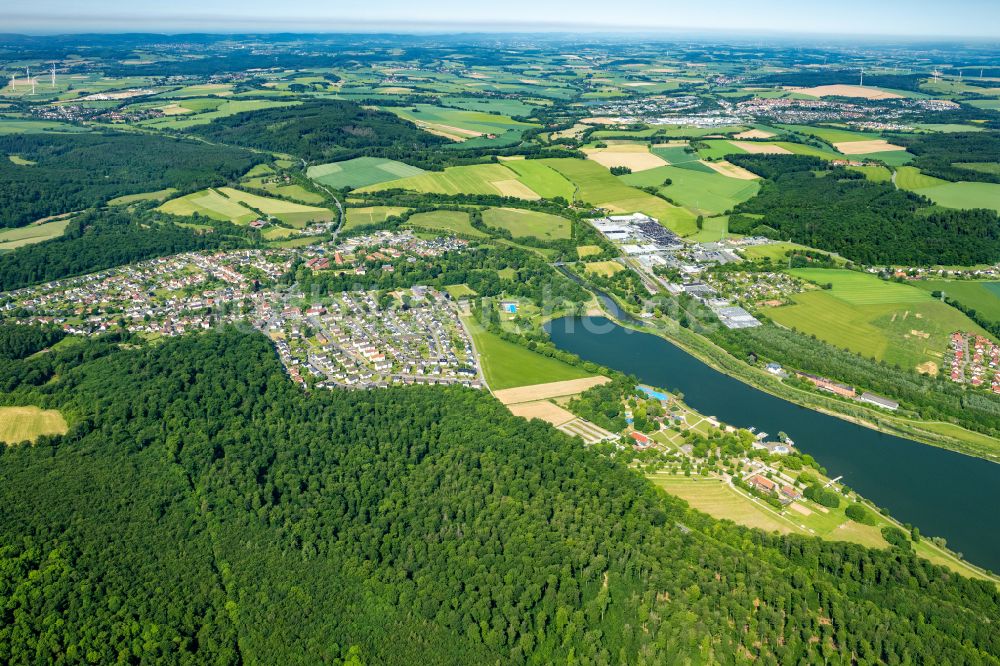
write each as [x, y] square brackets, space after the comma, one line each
[963, 19]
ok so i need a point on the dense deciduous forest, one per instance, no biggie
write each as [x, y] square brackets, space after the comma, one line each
[231, 518]
[20, 341]
[942, 155]
[868, 222]
[322, 132]
[77, 171]
[105, 239]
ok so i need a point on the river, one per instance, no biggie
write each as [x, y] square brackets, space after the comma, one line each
[942, 492]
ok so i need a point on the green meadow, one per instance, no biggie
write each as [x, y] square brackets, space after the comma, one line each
[360, 172]
[888, 321]
[702, 193]
[230, 205]
[495, 179]
[11, 239]
[965, 195]
[453, 221]
[980, 295]
[360, 217]
[523, 223]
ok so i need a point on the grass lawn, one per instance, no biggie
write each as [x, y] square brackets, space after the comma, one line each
[459, 290]
[359, 217]
[981, 296]
[522, 223]
[887, 321]
[584, 251]
[361, 172]
[718, 500]
[965, 195]
[11, 239]
[507, 365]
[454, 221]
[19, 424]
[702, 193]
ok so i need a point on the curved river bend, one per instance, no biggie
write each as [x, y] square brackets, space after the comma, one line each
[942, 492]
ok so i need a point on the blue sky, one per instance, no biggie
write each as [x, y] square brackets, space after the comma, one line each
[961, 18]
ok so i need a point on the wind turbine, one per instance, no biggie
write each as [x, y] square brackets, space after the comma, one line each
[53, 76]
[862, 77]
[30, 80]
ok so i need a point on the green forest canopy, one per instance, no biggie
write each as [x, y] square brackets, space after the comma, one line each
[204, 510]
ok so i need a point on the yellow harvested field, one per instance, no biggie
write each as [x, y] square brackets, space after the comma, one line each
[731, 170]
[864, 147]
[174, 110]
[753, 134]
[638, 84]
[515, 188]
[758, 148]
[535, 392]
[626, 156]
[19, 424]
[846, 91]
[542, 409]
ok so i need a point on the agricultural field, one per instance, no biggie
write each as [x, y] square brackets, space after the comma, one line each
[635, 156]
[702, 193]
[876, 174]
[897, 323]
[964, 195]
[980, 295]
[597, 186]
[547, 182]
[718, 148]
[603, 268]
[11, 239]
[495, 179]
[831, 135]
[718, 499]
[227, 108]
[19, 126]
[911, 179]
[452, 221]
[524, 223]
[457, 124]
[508, 365]
[21, 424]
[584, 251]
[361, 172]
[230, 205]
[360, 217]
[776, 251]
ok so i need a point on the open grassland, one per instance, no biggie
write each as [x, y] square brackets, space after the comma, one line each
[19, 126]
[804, 149]
[876, 174]
[508, 365]
[361, 172]
[719, 500]
[911, 179]
[584, 251]
[981, 296]
[718, 148]
[597, 186]
[361, 217]
[11, 239]
[982, 167]
[457, 291]
[896, 323]
[453, 221]
[26, 424]
[158, 195]
[703, 193]
[831, 135]
[964, 195]
[522, 223]
[776, 251]
[495, 179]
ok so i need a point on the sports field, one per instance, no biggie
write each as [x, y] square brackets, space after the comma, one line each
[496, 179]
[19, 424]
[981, 296]
[507, 365]
[883, 320]
[522, 223]
[453, 221]
[360, 172]
[359, 217]
[597, 186]
[11, 239]
[964, 195]
[704, 193]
